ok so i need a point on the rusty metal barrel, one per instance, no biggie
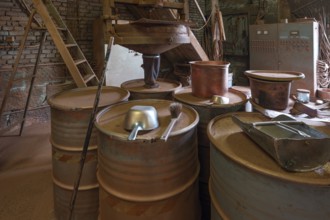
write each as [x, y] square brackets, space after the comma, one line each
[139, 91]
[70, 115]
[207, 111]
[148, 178]
[246, 183]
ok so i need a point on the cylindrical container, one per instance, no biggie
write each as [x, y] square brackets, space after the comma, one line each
[270, 95]
[303, 95]
[148, 178]
[323, 93]
[207, 111]
[70, 115]
[271, 88]
[54, 88]
[246, 183]
[139, 91]
[209, 78]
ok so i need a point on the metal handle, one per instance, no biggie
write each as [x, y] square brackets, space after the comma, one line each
[292, 129]
[168, 130]
[133, 134]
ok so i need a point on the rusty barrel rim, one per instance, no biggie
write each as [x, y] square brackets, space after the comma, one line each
[115, 95]
[154, 198]
[121, 136]
[136, 86]
[185, 96]
[210, 63]
[273, 170]
[70, 148]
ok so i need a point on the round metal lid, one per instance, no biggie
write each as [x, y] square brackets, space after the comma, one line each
[230, 140]
[111, 120]
[185, 95]
[83, 98]
[274, 75]
[137, 85]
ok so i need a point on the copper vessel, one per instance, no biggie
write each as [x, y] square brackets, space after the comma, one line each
[209, 78]
[271, 88]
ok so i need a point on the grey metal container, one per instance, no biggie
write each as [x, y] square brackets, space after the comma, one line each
[70, 115]
[148, 178]
[247, 183]
[207, 111]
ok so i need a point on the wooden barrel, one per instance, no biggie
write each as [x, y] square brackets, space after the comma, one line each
[246, 183]
[138, 91]
[148, 178]
[207, 112]
[70, 115]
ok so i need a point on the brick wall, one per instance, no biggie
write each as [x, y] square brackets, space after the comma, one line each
[78, 14]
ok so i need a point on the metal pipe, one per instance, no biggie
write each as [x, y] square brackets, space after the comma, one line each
[42, 41]
[89, 131]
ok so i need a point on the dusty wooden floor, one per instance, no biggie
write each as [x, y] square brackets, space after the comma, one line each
[26, 190]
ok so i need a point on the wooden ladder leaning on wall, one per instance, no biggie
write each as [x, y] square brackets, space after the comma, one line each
[77, 64]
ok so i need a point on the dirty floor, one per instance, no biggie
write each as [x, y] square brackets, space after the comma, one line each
[25, 175]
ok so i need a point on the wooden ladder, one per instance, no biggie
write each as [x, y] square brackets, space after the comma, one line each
[79, 68]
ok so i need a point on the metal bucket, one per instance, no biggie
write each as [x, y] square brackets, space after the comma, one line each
[207, 111]
[138, 91]
[209, 78]
[147, 178]
[246, 183]
[70, 114]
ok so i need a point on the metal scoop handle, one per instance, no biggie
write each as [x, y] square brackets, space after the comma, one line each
[133, 134]
[168, 129]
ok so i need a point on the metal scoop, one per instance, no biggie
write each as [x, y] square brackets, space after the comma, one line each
[140, 118]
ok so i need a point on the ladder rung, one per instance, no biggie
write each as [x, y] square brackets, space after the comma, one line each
[89, 77]
[39, 28]
[22, 79]
[77, 62]
[71, 45]
[61, 28]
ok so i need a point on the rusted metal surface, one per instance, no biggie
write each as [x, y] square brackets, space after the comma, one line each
[294, 145]
[183, 206]
[148, 178]
[139, 91]
[246, 183]
[207, 111]
[86, 206]
[209, 78]
[70, 113]
[271, 88]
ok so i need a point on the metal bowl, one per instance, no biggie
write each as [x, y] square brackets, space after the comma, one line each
[140, 118]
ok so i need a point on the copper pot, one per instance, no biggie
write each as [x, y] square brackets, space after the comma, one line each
[209, 78]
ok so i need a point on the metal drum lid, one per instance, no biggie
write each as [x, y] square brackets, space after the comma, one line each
[228, 138]
[137, 85]
[185, 95]
[111, 120]
[83, 98]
